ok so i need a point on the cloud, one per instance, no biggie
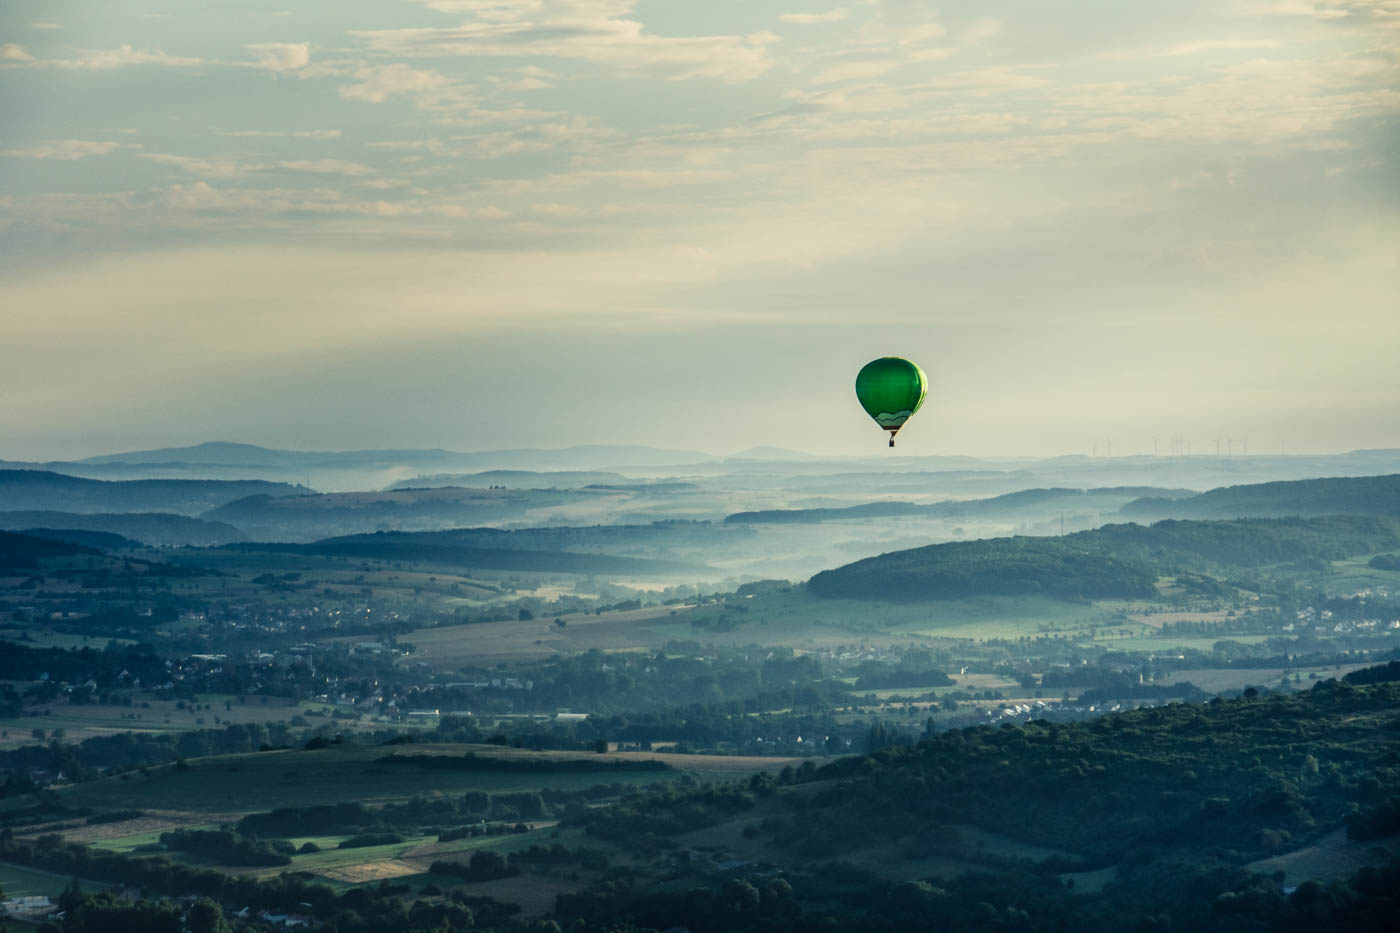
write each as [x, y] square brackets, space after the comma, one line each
[1323, 10]
[1361, 14]
[10, 52]
[808, 19]
[66, 150]
[326, 167]
[205, 168]
[232, 167]
[1211, 45]
[280, 56]
[295, 134]
[588, 30]
[856, 70]
[557, 211]
[429, 90]
[203, 198]
[529, 78]
[508, 10]
[45, 25]
[121, 57]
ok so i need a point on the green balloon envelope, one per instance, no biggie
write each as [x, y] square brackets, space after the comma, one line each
[891, 389]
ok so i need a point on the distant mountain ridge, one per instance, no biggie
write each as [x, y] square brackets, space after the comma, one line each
[223, 453]
[1108, 498]
[952, 476]
[512, 479]
[30, 490]
[149, 528]
[1349, 495]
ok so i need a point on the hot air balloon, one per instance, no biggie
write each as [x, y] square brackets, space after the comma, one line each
[891, 389]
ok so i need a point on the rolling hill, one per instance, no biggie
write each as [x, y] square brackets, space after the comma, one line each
[586, 456]
[1114, 561]
[512, 479]
[21, 552]
[1350, 495]
[1008, 506]
[151, 528]
[29, 490]
[472, 548]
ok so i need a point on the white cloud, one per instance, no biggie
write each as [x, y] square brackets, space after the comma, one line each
[45, 26]
[589, 30]
[807, 19]
[507, 10]
[429, 90]
[1329, 9]
[529, 78]
[202, 197]
[66, 150]
[326, 167]
[557, 211]
[121, 57]
[1211, 45]
[434, 146]
[577, 136]
[205, 168]
[294, 134]
[280, 56]
[233, 167]
[856, 70]
[987, 81]
[11, 52]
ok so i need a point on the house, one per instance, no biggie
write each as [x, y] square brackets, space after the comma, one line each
[27, 905]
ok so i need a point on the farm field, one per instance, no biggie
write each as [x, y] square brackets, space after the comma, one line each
[19, 881]
[1151, 643]
[43, 637]
[789, 618]
[232, 785]
[1214, 680]
[489, 643]
[1334, 857]
[79, 722]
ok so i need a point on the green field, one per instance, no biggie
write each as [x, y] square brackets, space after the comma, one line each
[228, 785]
[88, 720]
[793, 618]
[1197, 642]
[1356, 574]
[18, 881]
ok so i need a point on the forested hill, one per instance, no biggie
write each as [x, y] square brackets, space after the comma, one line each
[153, 528]
[477, 548]
[1174, 803]
[1115, 561]
[24, 551]
[1354, 495]
[1010, 504]
[42, 490]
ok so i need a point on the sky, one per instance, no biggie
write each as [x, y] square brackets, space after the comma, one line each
[478, 224]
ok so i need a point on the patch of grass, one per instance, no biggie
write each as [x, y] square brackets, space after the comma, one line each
[127, 844]
[18, 881]
[262, 781]
[1334, 857]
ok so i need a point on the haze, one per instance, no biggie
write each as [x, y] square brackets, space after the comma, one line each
[497, 223]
